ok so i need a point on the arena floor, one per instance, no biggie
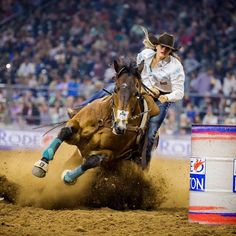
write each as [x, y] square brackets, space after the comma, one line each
[48, 207]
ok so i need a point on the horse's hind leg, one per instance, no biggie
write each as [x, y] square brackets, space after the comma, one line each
[70, 176]
[40, 167]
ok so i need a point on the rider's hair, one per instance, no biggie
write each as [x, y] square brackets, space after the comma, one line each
[148, 43]
[173, 54]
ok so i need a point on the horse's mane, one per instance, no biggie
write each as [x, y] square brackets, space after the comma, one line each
[130, 68]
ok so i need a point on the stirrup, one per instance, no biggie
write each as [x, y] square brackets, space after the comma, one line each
[40, 169]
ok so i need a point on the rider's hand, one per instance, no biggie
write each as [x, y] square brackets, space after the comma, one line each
[163, 98]
[155, 91]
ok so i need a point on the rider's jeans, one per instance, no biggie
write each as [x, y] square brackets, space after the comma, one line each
[110, 88]
[154, 124]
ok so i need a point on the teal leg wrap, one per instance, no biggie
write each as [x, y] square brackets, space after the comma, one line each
[48, 154]
[74, 174]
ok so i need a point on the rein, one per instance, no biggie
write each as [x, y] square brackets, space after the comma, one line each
[146, 88]
[55, 125]
[140, 114]
[121, 71]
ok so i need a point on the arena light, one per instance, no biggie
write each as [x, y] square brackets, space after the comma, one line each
[8, 66]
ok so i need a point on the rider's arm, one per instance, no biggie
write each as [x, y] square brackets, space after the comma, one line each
[177, 82]
[144, 55]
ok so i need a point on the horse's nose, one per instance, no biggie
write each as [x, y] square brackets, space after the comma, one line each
[119, 129]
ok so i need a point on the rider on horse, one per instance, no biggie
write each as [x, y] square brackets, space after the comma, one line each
[163, 77]
[159, 73]
[108, 129]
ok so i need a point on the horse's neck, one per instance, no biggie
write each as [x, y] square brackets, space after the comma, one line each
[103, 109]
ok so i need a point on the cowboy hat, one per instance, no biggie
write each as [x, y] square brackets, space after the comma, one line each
[165, 39]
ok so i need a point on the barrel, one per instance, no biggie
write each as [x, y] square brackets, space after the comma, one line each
[212, 195]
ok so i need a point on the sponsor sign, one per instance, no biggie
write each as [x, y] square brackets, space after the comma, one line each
[234, 177]
[174, 146]
[197, 174]
[170, 146]
[17, 139]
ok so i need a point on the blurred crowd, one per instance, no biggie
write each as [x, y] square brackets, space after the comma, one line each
[62, 53]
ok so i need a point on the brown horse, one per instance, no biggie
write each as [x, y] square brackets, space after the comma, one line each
[112, 127]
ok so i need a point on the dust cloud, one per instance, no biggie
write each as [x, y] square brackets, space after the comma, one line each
[120, 186]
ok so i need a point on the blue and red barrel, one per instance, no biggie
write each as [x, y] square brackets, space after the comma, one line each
[213, 174]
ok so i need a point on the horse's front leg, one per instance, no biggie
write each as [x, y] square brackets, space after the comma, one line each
[92, 161]
[41, 167]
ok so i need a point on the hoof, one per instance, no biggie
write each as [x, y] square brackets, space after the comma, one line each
[67, 179]
[40, 169]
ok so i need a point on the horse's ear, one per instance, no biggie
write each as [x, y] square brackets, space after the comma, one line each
[116, 66]
[140, 67]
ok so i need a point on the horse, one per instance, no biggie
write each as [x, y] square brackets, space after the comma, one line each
[112, 127]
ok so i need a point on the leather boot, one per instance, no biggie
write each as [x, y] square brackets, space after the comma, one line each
[73, 111]
[152, 144]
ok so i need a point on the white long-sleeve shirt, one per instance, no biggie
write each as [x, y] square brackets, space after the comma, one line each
[170, 70]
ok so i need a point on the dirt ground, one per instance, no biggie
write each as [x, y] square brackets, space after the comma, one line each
[111, 202]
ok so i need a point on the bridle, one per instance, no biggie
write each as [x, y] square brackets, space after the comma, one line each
[121, 117]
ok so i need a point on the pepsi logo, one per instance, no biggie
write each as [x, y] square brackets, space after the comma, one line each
[197, 166]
